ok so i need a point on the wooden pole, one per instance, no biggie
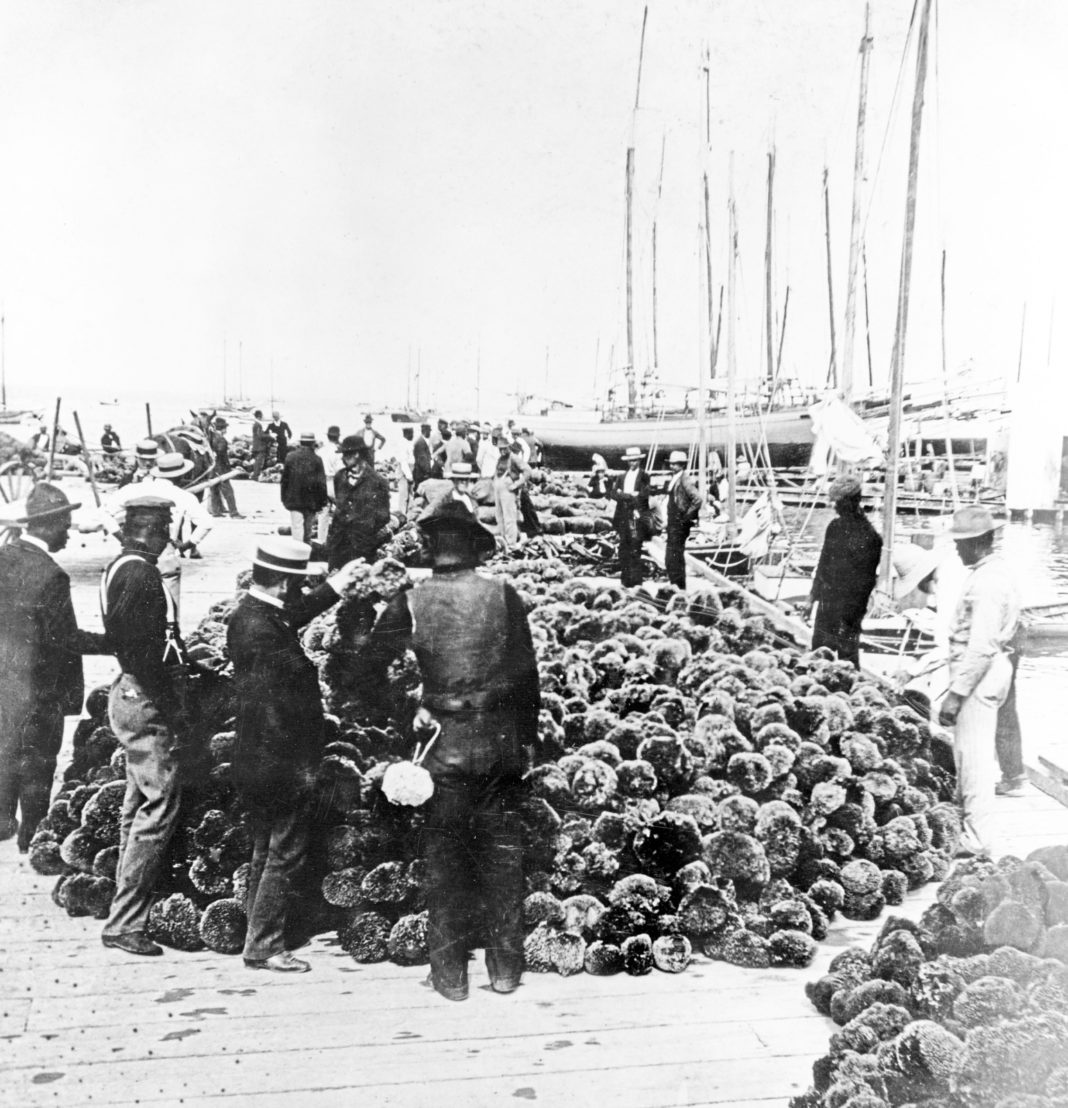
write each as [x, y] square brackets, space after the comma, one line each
[713, 352]
[632, 397]
[867, 318]
[897, 362]
[719, 328]
[768, 325]
[659, 191]
[951, 470]
[52, 444]
[832, 369]
[854, 234]
[148, 418]
[1023, 331]
[3, 364]
[732, 366]
[782, 334]
[88, 459]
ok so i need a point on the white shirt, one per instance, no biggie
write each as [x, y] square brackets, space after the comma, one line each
[525, 447]
[33, 540]
[675, 479]
[487, 456]
[331, 463]
[630, 481]
[274, 602]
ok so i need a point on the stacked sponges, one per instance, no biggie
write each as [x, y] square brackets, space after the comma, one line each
[964, 1009]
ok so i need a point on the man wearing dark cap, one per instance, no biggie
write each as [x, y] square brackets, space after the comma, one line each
[279, 737]
[361, 507]
[981, 636]
[846, 573]
[144, 705]
[303, 488]
[110, 442]
[480, 684]
[222, 492]
[40, 660]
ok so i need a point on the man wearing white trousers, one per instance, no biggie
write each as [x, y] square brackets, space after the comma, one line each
[980, 671]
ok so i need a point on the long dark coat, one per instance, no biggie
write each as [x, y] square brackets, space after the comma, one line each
[303, 481]
[361, 510]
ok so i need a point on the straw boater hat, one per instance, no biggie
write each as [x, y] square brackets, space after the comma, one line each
[678, 456]
[462, 471]
[307, 438]
[452, 515]
[172, 466]
[283, 555]
[970, 523]
[147, 450]
[45, 502]
[913, 565]
[633, 454]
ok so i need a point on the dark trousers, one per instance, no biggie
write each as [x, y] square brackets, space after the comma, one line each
[475, 860]
[27, 765]
[631, 571]
[1007, 737]
[674, 553]
[529, 523]
[150, 808]
[837, 626]
[259, 459]
[222, 493]
[279, 847]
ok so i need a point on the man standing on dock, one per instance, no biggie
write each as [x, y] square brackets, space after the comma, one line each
[683, 504]
[630, 491]
[303, 488]
[846, 573]
[361, 507]
[261, 443]
[980, 670]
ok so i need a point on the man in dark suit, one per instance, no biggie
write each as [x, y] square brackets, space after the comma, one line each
[40, 660]
[303, 487]
[279, 735]
[281, 433]
[421, 467]
[361, 507]
[261, 443]
[472, 641]
[222, 494]
[630, 491]
[144, 710]
[683, 504]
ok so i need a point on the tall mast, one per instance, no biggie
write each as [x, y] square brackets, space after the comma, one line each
[656, 212]
[3, 364]
[945, 396]
[832, 368]
[846, 378]
[632, 392]
[897, 362]
[732, 367]
[713, 336]
[768, 308]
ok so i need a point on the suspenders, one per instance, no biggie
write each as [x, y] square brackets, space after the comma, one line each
[172, 651]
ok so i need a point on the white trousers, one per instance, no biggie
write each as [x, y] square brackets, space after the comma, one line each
[975, 754]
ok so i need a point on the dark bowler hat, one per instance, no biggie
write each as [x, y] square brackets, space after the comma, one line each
[451, 515]
[283, 555]
[148, 509]
[352, 444]
[44, 502]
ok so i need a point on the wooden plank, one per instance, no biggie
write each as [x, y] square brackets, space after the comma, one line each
[656, 1055]
[1049, 785]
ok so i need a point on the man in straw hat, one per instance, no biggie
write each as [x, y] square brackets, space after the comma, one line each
[144, 710]
[361, 506]
[303, 487]
[984, 622]
[280, 734]
[845, 574]
[480, 683]
[146, 452]
[40, 660]
[630, 491]
[683, 504]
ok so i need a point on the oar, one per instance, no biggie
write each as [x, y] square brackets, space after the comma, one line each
[88, 459]
[52, 447]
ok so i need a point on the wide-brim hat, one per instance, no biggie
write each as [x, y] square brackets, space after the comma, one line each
[172, 465]
[913, 565]
[46, 501]
[971, 522]
[283, 555]
[633, 454]
[220, 423]
[308, 438]
[147, 450]
[353, 444]
[452, 515]
[678, 456]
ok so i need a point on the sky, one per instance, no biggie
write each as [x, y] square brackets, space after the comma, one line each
[357, 203]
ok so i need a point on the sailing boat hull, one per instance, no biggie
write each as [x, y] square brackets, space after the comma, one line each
[568, 442]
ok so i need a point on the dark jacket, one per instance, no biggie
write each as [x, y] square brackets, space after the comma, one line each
[281, 432]
[361, 511]
[849, 562]
[628, 504]
[40, 643]
[303, 481]
[221, 449]
[421, 464]
[472, 641]
[683, 503]
[279, 706]
[260, 439]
